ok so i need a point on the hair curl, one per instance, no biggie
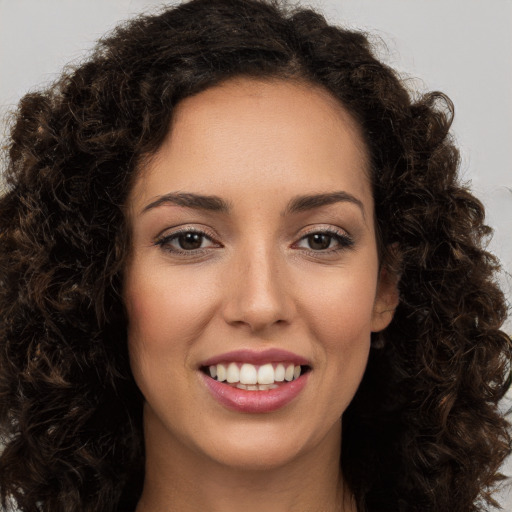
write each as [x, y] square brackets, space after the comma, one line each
[423, 433]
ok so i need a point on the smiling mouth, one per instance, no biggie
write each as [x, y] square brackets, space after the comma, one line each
[255, 377]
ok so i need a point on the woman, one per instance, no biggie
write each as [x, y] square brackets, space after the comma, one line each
[238, 270]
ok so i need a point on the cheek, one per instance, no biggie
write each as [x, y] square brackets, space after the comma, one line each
[341, 306]
[166, 312]
[339, 314]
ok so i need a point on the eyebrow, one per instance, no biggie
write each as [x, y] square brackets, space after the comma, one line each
[216, 204]
[309, 202]
[197, 201]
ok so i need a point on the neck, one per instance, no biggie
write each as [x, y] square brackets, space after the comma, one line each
[179, 479]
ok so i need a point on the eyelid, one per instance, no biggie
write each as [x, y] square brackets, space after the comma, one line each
[169, 234]
[184, 228]
[163, 239]
[323, 228]
[346, 241]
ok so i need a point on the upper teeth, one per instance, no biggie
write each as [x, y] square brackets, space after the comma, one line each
[246, 373]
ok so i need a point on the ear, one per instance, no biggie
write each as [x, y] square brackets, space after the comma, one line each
[386, 299]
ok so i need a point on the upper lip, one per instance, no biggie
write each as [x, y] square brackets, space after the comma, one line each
[272, 355]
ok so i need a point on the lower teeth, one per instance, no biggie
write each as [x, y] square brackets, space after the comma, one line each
[254, 387]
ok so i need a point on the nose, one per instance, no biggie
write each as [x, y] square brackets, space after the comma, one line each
[258, 292]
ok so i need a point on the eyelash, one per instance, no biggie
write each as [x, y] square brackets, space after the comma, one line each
[343, 239]
[165, 242]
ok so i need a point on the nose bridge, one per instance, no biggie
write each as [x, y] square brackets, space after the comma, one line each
[258, 294]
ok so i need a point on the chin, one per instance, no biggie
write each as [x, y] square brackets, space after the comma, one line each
[256, 456]
[267, 446]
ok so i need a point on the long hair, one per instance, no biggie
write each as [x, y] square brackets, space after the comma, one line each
[424, 432]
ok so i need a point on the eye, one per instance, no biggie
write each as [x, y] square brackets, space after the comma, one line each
[186, 241]
[326, 241]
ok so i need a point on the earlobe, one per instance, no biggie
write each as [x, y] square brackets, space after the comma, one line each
[386, 299]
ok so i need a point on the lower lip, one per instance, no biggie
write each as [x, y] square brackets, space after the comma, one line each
[242, 400]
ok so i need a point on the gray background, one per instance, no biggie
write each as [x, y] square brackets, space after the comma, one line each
[463, 48]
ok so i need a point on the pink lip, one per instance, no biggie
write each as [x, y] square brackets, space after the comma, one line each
[272, 355]
[242, 400]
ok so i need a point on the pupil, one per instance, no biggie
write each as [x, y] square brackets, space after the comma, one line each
[190, 241]
[319, 241]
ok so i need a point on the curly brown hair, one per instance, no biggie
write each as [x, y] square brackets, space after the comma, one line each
[424, 432]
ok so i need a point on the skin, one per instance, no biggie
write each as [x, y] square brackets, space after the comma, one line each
[255, 282]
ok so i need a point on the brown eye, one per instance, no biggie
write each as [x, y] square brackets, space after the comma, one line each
[325, 241]
[319, 241]
[186, 241]
[190, 241]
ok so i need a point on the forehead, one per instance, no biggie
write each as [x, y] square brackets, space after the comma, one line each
[268, 134]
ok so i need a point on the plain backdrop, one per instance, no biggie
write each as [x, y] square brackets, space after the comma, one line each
[463, 48]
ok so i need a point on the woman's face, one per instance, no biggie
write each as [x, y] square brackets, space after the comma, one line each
[253, 252]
